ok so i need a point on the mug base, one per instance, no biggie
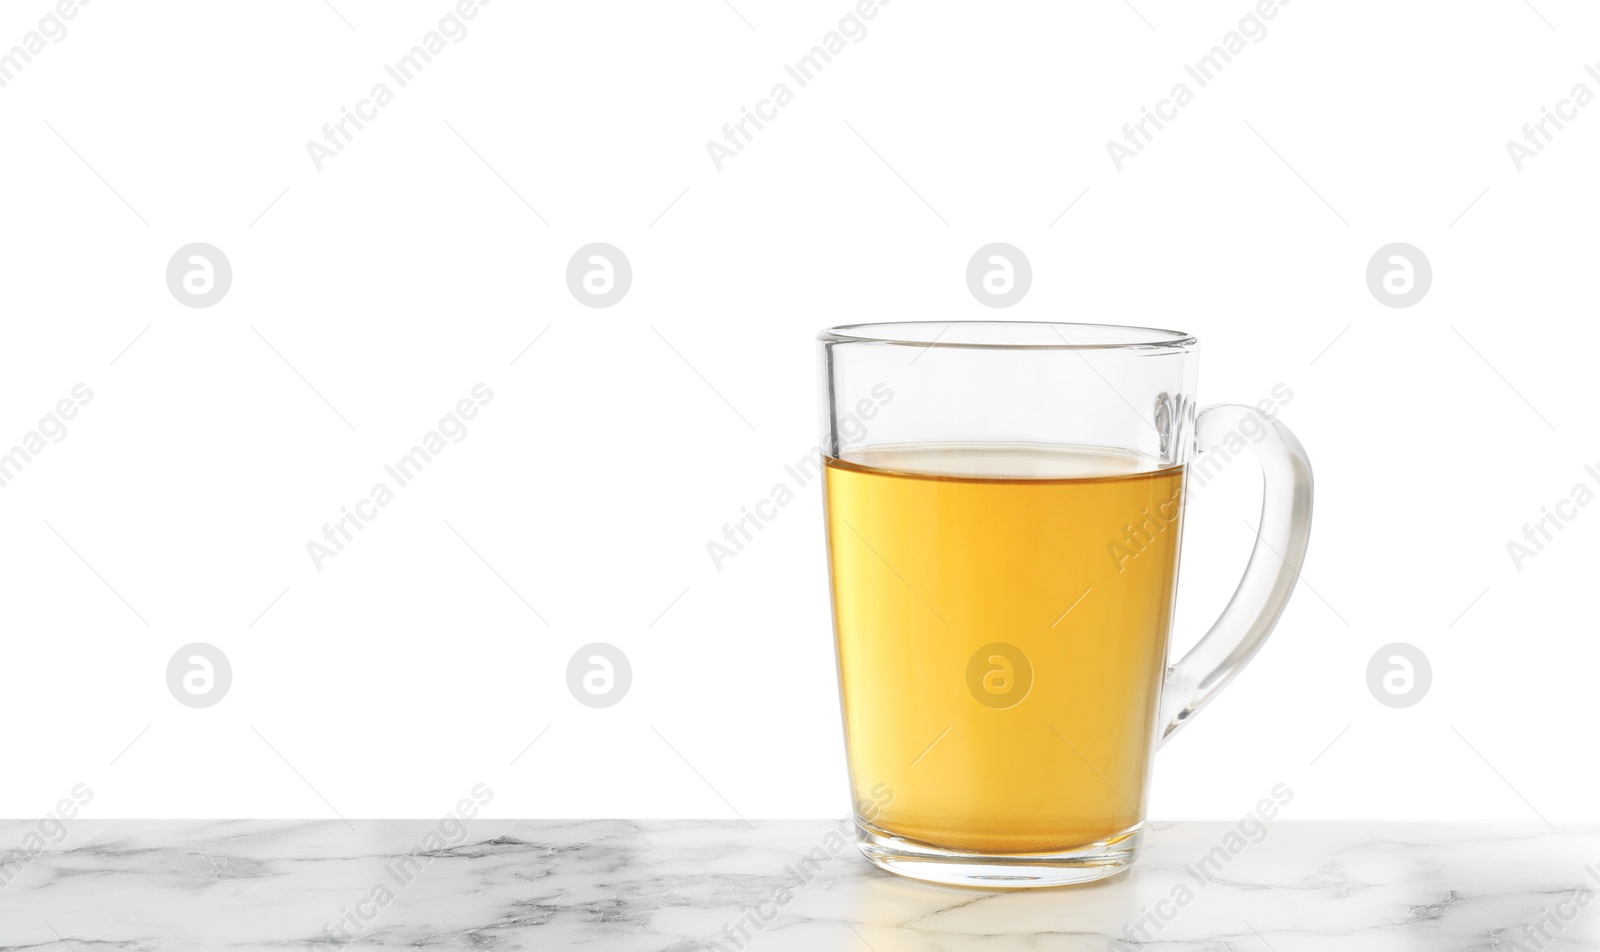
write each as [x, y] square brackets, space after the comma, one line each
[932, 864]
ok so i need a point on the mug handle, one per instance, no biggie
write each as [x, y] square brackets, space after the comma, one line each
[1270, 576]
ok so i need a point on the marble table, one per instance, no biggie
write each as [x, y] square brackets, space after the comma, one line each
[675, 886]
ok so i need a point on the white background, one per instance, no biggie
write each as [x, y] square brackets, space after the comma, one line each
[410, 268]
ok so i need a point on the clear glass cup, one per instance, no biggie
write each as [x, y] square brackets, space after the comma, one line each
[1004, 512]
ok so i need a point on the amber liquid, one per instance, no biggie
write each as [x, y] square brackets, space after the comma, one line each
[1064, 557]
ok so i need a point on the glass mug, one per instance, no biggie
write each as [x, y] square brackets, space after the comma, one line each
[1004, 511]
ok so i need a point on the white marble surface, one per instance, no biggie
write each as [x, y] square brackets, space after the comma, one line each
[656, 885]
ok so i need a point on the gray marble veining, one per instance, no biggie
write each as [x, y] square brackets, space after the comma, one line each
[675, 886]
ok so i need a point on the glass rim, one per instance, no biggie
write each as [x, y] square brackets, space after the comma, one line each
[1009, 335]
